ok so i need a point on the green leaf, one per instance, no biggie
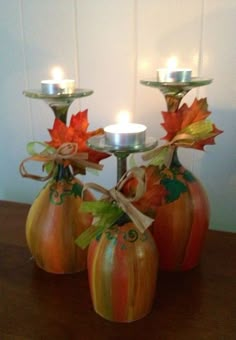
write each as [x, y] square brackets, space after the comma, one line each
[188, 176]
[199, 129]
[174, 188]
[77, 189]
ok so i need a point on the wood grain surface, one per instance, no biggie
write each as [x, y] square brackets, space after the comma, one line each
[197, 304]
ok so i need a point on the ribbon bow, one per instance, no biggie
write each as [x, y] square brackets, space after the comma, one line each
[186, 137]
[66, 154]
[114, 195]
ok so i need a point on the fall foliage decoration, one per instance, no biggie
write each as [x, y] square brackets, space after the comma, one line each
[182, 210]
[115, 207]
[187, 127]
[54, 220]
[67, 147]
[77, 133]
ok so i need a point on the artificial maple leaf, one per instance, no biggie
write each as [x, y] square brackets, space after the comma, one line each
[199, 145]
[176, 121]
[197, 111]
[154, 195]
[76, 132]
[60, 134]
[79, 122]
[172, 124]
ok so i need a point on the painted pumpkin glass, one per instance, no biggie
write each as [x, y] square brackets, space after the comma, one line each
[181, 223]
[179, 204]
[122, 268]
[54, 222]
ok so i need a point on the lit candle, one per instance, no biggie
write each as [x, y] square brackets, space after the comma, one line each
[125, 134]
[173, 74]
[57, 85]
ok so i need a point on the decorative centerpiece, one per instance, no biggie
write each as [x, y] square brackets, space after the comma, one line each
[54, 220]
[182, 220]
[122, 255]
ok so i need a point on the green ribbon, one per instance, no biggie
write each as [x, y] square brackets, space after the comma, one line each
[66, 154]
[113, 205]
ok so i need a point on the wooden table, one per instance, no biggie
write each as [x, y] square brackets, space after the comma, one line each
[198, 304]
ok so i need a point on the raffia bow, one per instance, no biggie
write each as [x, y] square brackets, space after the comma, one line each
[187, 137]
[114, 195]
[67, 153]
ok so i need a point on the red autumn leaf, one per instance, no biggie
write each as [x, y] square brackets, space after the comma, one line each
[76, 132]
[154, 195]
[174, 122]
[60, 134]
[197, 111]
[79, 122]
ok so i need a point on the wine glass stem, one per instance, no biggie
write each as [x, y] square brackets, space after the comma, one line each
[121, 164]
[60, 111]
[173, 102]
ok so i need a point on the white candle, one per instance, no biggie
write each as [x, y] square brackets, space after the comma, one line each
[57, 85]
[175, 75]
[172, 73]
[125, 135]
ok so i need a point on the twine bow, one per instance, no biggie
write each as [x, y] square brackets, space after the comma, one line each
[141, 221]
[186, 137]
[66, 154]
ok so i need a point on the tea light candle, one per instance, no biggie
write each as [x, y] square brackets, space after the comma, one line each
[125, 135]
[57, 85]
[174, 75]
[65, 86]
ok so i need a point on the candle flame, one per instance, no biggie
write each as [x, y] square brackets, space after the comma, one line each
[123, 117]
[172, 63]
[57, 73]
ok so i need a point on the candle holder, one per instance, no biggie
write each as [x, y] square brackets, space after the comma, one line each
[121, 153]
[54, 219]
[181, 222]
[60, 102]
[175, 91]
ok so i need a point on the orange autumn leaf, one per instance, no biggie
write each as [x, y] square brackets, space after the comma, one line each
[172, 124]
[60, 134]
[197, 111]
[154, 195]
[186, 115]
[76, 132]
[176, 121]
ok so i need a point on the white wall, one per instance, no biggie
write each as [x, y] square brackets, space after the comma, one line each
[108, 46]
